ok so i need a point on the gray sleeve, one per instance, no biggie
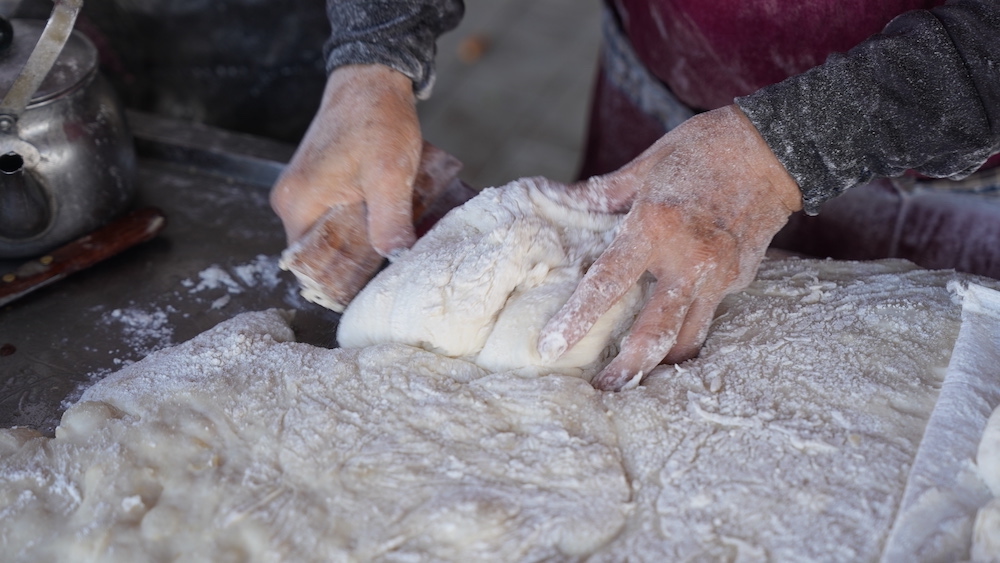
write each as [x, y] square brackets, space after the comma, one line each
[924, 95]
[400, 34]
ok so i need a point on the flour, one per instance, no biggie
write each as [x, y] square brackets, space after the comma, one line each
[262, 271]
[221, 283]
[988, 456]
[986, 528]
[148, 327]
[791, 435]
[240, 444]
[143, 330]
[956, 464]
[789, 438]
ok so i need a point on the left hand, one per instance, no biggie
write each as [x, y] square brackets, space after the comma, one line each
[703, 204]
[363, 146]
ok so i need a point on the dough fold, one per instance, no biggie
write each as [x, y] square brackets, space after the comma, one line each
[485, 280]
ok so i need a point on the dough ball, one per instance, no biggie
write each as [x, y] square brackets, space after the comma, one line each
[482, 284]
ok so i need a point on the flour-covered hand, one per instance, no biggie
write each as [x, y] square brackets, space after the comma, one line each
[702, 205]
[363, 146]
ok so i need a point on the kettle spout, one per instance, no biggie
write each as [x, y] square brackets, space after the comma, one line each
[25, 210]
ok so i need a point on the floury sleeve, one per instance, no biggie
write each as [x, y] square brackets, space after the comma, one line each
[924, 95]
[400, 34]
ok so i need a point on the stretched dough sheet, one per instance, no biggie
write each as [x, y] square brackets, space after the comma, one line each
[943, 491]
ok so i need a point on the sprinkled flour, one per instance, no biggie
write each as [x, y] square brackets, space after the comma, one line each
[789, 438]
[263, 272]
[142, 330]
[145, 328]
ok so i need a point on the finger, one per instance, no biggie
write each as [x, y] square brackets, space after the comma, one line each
[295, 223]
[389, 199]
[390, 223]
[297, 207]
[652, 335]
[694, 330]
[599, 194]
[611, 276]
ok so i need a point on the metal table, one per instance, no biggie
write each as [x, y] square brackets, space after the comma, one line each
[216, 257]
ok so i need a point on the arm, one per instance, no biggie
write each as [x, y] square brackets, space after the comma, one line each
[364, 143]
[924, 95]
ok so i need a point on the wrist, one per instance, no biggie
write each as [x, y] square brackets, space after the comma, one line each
[781, 186]
[370, 80]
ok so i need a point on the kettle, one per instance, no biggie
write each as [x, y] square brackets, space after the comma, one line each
[67, 161]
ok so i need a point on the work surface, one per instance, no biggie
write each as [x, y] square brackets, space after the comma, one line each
[789, 438]
[806, 406]
[216, 257]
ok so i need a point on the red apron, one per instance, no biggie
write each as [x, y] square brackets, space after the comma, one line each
[708, 52]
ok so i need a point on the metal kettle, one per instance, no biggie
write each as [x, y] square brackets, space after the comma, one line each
[67, 162]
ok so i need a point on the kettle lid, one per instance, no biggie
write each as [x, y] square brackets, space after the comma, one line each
[75, 63]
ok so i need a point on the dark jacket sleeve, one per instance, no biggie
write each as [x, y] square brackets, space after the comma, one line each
[400, 34]
[924, 95]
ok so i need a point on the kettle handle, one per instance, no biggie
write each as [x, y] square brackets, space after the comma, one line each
[40, 62]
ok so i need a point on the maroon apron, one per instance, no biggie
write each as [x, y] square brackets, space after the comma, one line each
[707, 52]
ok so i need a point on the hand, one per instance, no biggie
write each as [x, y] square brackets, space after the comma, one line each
[363, 146]
[703, 203]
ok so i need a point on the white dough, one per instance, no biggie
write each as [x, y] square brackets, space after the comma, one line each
[788, 439]
[241, 445]
[988, 456]
[986, 531]
[986, 534]
[482, 284]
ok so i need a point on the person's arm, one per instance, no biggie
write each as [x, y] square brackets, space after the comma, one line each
[364, 143]
[924, 95]
[705, 200]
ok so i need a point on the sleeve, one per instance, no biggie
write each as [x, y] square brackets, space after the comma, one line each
[400, 34]
[923, 95]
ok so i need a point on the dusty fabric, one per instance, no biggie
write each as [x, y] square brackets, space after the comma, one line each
[922, 95]
[398, 34]
[711, 51]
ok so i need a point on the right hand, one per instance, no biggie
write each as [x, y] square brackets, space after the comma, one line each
[702, 205]
[363, 146]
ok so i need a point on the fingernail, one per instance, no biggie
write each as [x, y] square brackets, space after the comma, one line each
[632, 383]
[395, 254]
[551, 347]
[395, 246]
[614, 377]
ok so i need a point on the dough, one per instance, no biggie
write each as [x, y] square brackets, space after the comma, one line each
[482, 284]
[988, 456]
[986, 533]
[242, 445]
[986, 530]
[788, 438]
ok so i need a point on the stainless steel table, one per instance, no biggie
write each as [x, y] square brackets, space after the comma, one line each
[216, 257]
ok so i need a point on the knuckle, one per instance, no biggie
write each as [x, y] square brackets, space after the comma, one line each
[604, 282]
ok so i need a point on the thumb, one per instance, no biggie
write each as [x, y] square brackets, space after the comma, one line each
[610, 193]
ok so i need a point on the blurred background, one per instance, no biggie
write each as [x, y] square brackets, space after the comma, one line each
[513, 88]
